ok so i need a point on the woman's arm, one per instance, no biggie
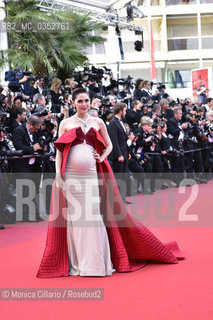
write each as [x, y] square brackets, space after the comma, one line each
[104, 134]
[58, 153]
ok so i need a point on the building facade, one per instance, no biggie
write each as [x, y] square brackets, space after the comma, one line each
[183, 41]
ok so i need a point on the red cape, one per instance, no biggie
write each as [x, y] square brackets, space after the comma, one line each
[132, 245]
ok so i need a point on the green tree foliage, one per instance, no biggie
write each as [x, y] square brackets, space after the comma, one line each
[47, 53]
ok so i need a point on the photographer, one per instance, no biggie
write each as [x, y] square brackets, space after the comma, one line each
[194, 139]
[134, 114]
[56, 92]
[156, 112]
[176, 134]
[168, 153]
[108, 106]
[94, 86]
[147, 143]
[97, 106]
[5, 99]
[137, 94]
[126, 95]
[67, 109]
[146, 93]
[47, 136]
[166, 112]
[209, 104]
[19, 81]
[39, 99]
[161, 93]
[206, 125]
[135, 164]
[69, 85]
[23, 139]
[38, 86]
[41, 111]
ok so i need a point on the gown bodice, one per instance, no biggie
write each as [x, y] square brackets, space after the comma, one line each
[88, 138]
[80, 159]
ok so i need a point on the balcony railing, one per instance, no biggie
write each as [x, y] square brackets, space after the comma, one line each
[182, 44]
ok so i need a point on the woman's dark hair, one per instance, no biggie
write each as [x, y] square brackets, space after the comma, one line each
[78, 91]
[137, 83]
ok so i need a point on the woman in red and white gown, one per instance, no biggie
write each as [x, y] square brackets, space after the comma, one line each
[89, 234]
[88, 245]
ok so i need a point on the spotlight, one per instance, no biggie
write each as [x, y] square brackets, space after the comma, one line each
[138, 45]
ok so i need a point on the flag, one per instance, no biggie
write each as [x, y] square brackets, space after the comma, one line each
[152, 52]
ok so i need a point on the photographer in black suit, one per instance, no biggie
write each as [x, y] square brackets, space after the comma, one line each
[134, 115]
[23, 139]
[146, 93]
[176, 134]
[119, 155]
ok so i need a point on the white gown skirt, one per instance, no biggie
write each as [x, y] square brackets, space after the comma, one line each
[88, 245]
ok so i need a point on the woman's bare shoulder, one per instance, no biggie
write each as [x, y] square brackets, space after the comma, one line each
[68, 123]
[98, 120]
[97, 123]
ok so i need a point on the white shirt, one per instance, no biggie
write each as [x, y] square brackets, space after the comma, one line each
[121, 122]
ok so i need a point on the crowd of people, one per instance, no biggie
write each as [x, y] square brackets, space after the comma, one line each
[152, 134]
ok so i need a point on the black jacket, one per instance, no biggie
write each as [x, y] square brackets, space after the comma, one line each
[21, 141]
[165, 143]
[148, 95]
[137, 94]
[174, 130]
[119, 140]
[133, 117]
[13, 126]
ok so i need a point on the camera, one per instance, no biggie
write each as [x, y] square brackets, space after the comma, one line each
[128, 82]
[15, 75]
[58, 116]
[49, 125]
[147, 102]
[161, 87]
[154, 138]
[106, 102]
[208, 128]
[41, 113]
[43, 141]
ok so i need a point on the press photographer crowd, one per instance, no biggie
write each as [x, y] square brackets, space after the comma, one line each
[154, 136]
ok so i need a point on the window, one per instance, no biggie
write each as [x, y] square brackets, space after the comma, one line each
[182, 44]
[180, 2]
[182, 33]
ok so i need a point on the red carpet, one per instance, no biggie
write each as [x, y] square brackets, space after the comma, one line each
[157, 291]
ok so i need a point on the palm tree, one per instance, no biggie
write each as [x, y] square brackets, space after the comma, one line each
[47, 53]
